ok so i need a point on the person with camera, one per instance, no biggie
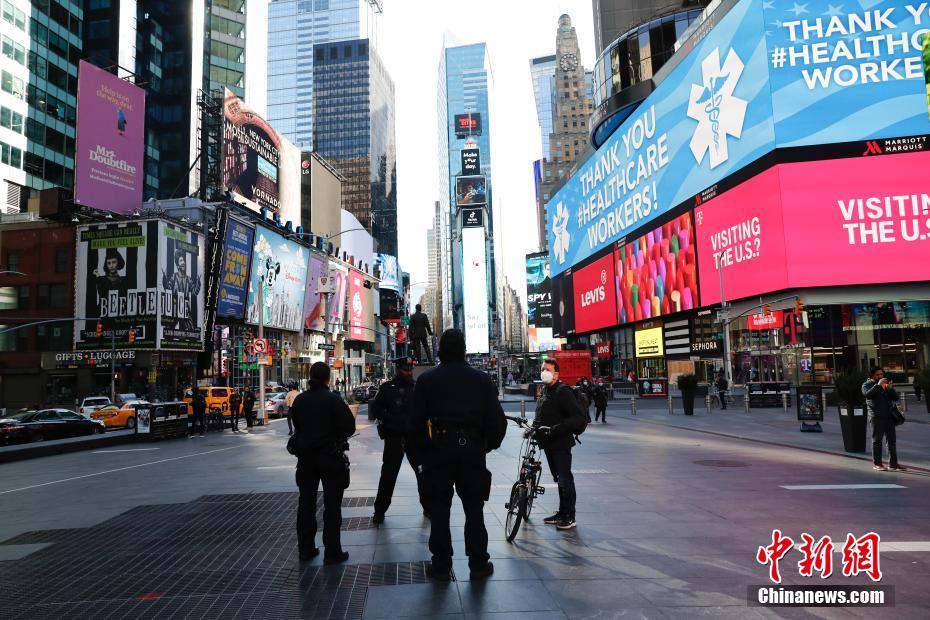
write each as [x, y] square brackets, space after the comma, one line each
[882, 401]
[722, 386]
[323, 424]
[455, 420]
[559, 409]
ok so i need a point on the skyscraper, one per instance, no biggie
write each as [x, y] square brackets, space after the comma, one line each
[353, 110]
[294, 27]
[542, 73]
[466, 84]
[613, 18]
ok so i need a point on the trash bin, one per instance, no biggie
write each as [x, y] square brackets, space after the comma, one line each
[853, 427]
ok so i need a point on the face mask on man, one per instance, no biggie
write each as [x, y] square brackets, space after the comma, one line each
[546, 376]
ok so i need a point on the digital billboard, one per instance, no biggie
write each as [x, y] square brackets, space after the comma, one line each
[656, 274]
[336, 309]
[563, 310]
[595, 298]
[467, 124]
[145, 276]
[259, 164]
[472, 217]
[766, 74]
[234, 273]
[648, 341]
[314, 301]
[475, 290]
[538, 290]
[278, 277]
[542, 339]
[471, 190]
[471, 161]
[389, 272]
[108, 153]
[357, 292]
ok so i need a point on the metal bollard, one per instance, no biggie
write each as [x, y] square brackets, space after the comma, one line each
[784, 402]
[904, 402]
[523, 409]
[707, 402]
[671, 411]
[824, 399]
[633, 404]
[746, 401]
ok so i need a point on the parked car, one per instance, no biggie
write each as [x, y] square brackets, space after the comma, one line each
[216, 397]
[365, 392]
[122, 399]
[43, 424]
[120, 417]
[92, 404]
[274, 405]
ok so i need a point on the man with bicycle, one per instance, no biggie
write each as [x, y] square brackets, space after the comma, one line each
[558, 408]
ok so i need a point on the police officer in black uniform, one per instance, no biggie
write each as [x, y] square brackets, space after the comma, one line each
[390, 409]
[455, 420]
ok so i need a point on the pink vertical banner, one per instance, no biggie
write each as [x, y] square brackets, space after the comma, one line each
[356, 306]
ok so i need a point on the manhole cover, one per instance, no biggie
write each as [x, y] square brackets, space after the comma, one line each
[721, 463]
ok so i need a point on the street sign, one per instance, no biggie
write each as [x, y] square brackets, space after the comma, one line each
[326, 347]
[260, 346]
[264, 360]
[405, 321]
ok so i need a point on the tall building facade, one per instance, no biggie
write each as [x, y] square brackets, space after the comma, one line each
[613, 18]
[41, 47]
[465, 90]
[432, 296]
[542, 73]
[572, 109]
[294, 28]
[353, 110]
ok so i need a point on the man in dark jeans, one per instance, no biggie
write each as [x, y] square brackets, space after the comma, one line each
[600, 403]
[248, 407]
[323, 424]
[235, 403]
[881, 398]
[722, 386]
[559, 409]
[199, 407]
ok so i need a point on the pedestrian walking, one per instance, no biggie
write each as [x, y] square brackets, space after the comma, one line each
[583, 389]
[419, 332]
[235, 404]
[455, 420]
[323, 424]
[199, 407]
[391, 411]
[881, 398]
[248, 407]
[722, 386]
[918, 391]
[558, 408]
[289, 403]
[600, 403]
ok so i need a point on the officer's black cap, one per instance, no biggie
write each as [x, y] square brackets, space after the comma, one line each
[405, 361]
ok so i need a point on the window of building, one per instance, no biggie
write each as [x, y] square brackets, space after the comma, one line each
[22, 297]
[10, 155]
[99, 4]
[51, 295]
[12, 260]
[12, 85]
[347, 51]
[14, 51]
[62, 260]
[319, 53]
[333, 53]
[14, 16]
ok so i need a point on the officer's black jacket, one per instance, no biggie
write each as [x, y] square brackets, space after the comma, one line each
[391, 405]
[455, 397]
[322, 421]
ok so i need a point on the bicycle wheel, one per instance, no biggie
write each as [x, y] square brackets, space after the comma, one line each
[536, 479]
[515, 510]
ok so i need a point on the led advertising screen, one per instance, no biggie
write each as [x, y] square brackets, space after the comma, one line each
[234, 274]
[471, 161]
[470, 191]
[336, 310]
[538, 290]
[314, 301]
[475, 290]
[648, 341]
[259, 164]
[595, 297]
[108, 154]
[767, 74]
[472, 217]
[389, 272]
[657, 272]
[357, 293]
[563, 308]
[542, 339]
[277, 281]
[467, 125]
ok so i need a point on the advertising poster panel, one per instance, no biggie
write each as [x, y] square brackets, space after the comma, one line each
[656, 274]
[234, 274]
[472, 217]
[259, 164]
[595, 295]
[467, 124]
[810, 403]
[471, 161]
[336, 310]
[108, 154]
[475, 290]
[470, 191]
[538, 290]
[181, 267]
[563, 305]
[542, 339]
[314, 302]
[356, 305]
[389, 272]
[648, 341]
[278, 277]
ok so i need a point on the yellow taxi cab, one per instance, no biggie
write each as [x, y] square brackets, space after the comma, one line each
[217, 397]
[119, 416]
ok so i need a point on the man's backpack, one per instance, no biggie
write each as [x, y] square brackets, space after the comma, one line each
[582, 398]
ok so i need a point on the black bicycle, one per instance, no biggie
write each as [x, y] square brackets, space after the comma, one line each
[527, 487]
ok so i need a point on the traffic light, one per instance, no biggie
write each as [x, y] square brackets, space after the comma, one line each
[766, 309]
[798, 306]
[132, 336]
[99, 329]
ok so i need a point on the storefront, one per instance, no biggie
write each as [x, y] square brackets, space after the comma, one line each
[68, 375]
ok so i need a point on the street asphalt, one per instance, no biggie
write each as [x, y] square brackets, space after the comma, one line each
[671, 512]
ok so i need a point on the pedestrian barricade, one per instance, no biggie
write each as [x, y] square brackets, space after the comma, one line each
[162, 420]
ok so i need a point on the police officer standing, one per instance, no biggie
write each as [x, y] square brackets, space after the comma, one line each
[323, 424]
[455, 420]
[390, 408]
[199, 406]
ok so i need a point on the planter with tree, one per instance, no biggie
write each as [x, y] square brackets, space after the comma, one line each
[687, 385]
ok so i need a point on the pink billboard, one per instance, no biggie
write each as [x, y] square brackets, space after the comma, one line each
[742, 232]
[108, 153]
[356, 306]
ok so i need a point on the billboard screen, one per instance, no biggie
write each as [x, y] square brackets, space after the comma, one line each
[767, 74]
[389, 272]
[656, 274]
[538, 291]
[234, 275]
[541, 339]
[278, 277]
[563, 308]
[475, 290]
[336, 311]
[145, 276]
[108, 154]
[314, 302]
[357, 293]
[472, 217]
[471, 161]
[470, 191]
[648, 341]
[467, 125]
[595, 295]
[259, 164]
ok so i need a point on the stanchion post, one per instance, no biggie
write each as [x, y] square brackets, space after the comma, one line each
[784, 402]
[671, 410]
[707, 402]
[746, 401]
[633, 404]
[823, 398]
[523, 409]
